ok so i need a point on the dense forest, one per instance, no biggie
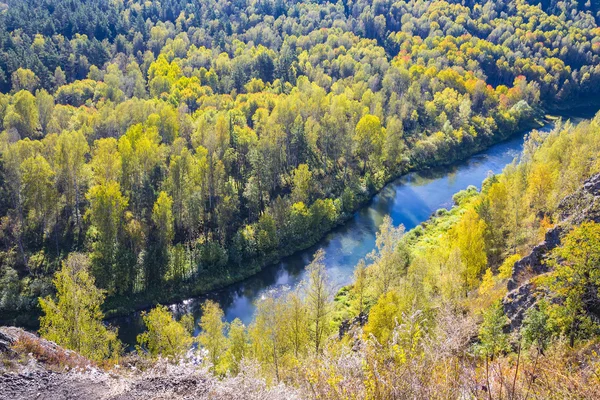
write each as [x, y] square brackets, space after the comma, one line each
[184, 145]
[151, 150]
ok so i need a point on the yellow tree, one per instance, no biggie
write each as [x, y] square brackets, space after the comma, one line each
[23, 115]
[268, 336]
[383, 317]
[237, 338]
[540, 181]
[140, 153]
[74, 319]
[469, 238]
[296, 321]
[302, 184]
[369, 137]
[212, 337]
[165, 336]
[106, 162]
[318, 301]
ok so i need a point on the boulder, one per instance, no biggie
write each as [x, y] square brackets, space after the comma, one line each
[348, 325]
[583, 205]
[6, 343]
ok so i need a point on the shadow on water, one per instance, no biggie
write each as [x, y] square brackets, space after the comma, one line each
[409, 200]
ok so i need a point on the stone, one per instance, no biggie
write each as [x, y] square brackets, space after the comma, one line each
[349, 324]
[581, 206]
[534, 263]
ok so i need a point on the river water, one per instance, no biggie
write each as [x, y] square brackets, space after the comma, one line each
[408, 200]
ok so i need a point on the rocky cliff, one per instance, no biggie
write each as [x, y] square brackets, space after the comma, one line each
[583, 205]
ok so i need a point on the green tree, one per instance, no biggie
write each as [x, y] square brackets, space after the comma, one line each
[576, 282]
[106, 214]
[266, 235]
[74, 320]
[359, 288]
[319, 301]
[162, 216]
[184, 184]
[536, 329]
[45, 106]
[38, 191]
[70, 152]
[493, 340]
[369, 138]
[10, 289]
[159, 240]
[59, 77]
[164, 336]
[389, 263]
[302, 185]
[212, 337]
[140, 154]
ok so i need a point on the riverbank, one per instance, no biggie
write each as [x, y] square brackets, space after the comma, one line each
[409, 201]
[585, 108]
[123, 306]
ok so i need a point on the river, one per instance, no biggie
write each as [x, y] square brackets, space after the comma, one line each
[409, 200]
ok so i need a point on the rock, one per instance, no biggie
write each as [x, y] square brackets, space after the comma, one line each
[44, 351]
[31, 377]
[581, 206]
[348, 325]
[5, 344]
[534, 263]
[517, 302]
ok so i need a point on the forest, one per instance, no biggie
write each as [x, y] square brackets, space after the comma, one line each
[428, 314]
[156, 150]
[183, 146]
